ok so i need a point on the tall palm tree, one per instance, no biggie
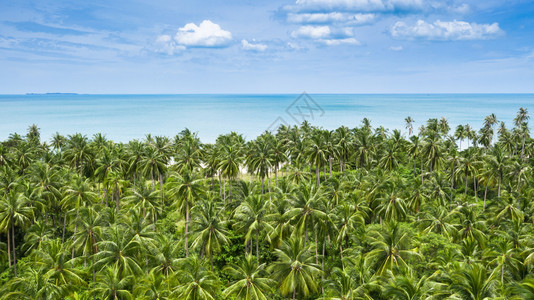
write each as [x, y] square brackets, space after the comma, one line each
[79, 151]
[409, 124]
[391, 247]
[14, 211]
[295, 270]
[209, 231]
[119, 249]
[250, 216]
[473, 282]
[186, 189]
[195, 282]
[316, 153]
[230, 153]
[251, 281]
[54, 260]
[111, 285]
[261, 159]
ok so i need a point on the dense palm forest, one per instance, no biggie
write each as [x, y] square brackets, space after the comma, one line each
[302, 213]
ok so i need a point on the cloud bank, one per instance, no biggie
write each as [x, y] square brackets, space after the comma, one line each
[326, 35]
[445, 31]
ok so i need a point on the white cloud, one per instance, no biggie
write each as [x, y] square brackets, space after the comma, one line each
[445, 31]
[253, 47]
[396, 48]
[326, 35]
[362, 5]
[345, 41]
[332, 17]
[165, 44]
[312, 32]
[207, 34]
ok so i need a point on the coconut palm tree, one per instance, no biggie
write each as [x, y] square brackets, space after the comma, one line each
[250, 216]
[111, 285]
[391, 247]
[295, 270]
[473, 282]
[409, 124]
[250, 280]
[195, 282]
[209, 231]
[118, 249]
[186, 190]
[14, 211]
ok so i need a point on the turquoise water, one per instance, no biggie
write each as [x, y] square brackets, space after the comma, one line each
[125, 117]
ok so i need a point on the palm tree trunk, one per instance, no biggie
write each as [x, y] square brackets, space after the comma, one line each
[485, 194]
[466, 180]
[294, 293]
[9, 247]
[257, 245]
[317, 175]
[422, 179]
[452, 180]
[162, 191]
[230, 190]
[220, 186]
[75, 228]
[116, 194]
[499, 191]
[475, 186]
[186, 226]
[64, 225]
[316, 252]
[330, 165]
[14, 248]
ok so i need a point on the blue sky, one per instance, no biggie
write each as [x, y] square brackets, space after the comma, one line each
[318, 46]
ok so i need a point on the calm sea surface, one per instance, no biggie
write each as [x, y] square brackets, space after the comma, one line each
[125, 117]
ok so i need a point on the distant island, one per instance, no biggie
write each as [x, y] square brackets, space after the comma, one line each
[51, 94]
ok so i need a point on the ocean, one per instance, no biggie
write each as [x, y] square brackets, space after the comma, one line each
[126, 117]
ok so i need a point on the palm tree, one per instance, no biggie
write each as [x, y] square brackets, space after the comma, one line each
[209, 231]
[54, 260]
[460, 134]
[187, 189]
[497, 164]
[195, 282]
[307, 208]
[295, 270]
[473, 282]
[118, 249]
[391, 247]
[79, 152]
[230, 153]
[316, 153]
[152, 286]
[260, 158]
[111, 285]
[250, 216]
[408, 287]
[251, 282]
[14, 211]
[143, 198]
[521, 121]
[409, 124]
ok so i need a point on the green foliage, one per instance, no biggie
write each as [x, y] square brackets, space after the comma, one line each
[303, 213]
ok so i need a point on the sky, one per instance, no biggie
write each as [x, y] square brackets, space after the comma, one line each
[246, 46]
